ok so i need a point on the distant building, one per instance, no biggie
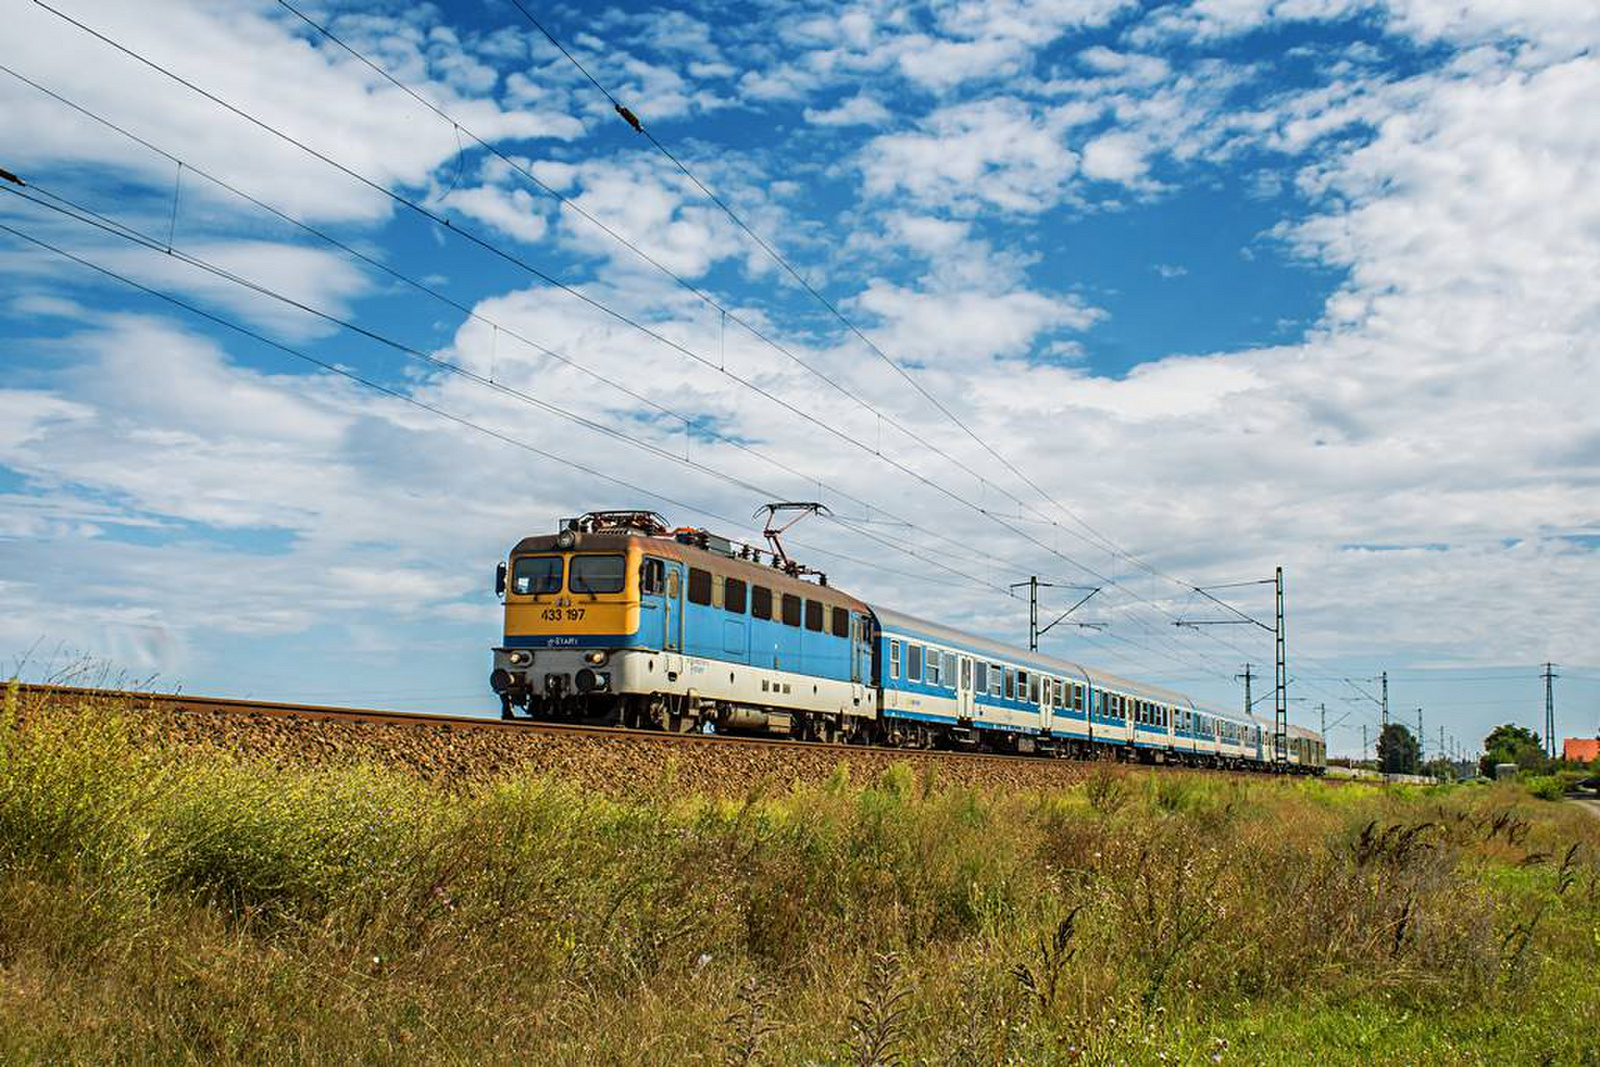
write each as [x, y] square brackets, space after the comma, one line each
[1580, 749]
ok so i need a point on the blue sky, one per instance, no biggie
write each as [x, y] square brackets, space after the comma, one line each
[1233, 284]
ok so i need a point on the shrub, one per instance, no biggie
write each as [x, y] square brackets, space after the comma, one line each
[1547, 787]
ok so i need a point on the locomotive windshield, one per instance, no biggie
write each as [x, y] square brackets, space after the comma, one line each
[597, 574]
[536, 574]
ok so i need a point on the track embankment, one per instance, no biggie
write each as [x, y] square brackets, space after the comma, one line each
[465, 750]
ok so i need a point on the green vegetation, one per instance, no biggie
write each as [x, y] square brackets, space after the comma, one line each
[170, 907]
[1399, 752]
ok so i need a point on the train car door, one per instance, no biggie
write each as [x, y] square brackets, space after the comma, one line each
[964, 690]
[860, 657]
[672, 618]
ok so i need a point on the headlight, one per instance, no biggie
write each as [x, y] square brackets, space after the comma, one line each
[520, 658]
[596, 658]
[566, 539]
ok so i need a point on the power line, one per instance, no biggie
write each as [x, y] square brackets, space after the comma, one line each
[148, 242]
[423, 287]
[832, 309]
[598, 305]
[134, 236]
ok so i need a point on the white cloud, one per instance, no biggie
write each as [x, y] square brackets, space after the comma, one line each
[1117, 157]
[858, 110]
[249, 56]
[999, 153]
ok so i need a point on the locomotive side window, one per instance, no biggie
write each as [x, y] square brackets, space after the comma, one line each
[894, 659]
[652, 576]
[598, 574]
[734, 596]
[841, 622]
[718, 583]
[536, 574]
[913, 663]
[814, 616]
[760, 602]
[791, 610]
[699, 586]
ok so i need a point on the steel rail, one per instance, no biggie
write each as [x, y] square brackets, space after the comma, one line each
[179, 702]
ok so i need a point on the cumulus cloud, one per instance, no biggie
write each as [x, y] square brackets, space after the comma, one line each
[859, 110]
[1001, 153]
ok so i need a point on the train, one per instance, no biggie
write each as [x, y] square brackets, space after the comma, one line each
[619, 618]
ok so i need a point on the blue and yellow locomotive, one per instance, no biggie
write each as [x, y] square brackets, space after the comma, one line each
[616, 618]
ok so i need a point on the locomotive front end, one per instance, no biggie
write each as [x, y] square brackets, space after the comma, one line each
[571, 616]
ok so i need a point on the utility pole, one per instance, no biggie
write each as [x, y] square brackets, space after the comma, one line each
[1035, 631]
[1323, 708]
[1550, 708]
[1246, 676]
[1385, 700]
[1281, 700]
[1422, 739]
[1033, 612]
[1280, 726]
[1442, 751]
[1363, 742]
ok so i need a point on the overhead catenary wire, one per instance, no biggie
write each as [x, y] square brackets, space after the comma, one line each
[778, 258]
[144, 240]
[1099, 539]
[364, 381]
[585, 298]
[393, 393]
[724, 312]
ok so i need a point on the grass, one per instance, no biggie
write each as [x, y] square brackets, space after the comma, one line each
[177, 907]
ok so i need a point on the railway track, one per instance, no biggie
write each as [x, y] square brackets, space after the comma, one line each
[178, 702]
[705, 749]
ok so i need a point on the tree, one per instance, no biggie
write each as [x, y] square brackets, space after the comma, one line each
[1398, 751]
[1510, 743]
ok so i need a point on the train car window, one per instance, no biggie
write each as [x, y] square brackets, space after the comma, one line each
[1022, 685]
[791, 609]
[598, 574]
[733, 596]
[1077, 698]
[652, 576]
[894, 659]
[997, 676]
[718, 586]
[932, 670]
[814, 616]
[699, 586]
[533, 575]
[1011, 685]
[913, 663]
[1033, 689]
[760, 602]
[981, 679]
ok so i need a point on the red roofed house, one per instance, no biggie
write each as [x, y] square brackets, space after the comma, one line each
[1581, 749]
